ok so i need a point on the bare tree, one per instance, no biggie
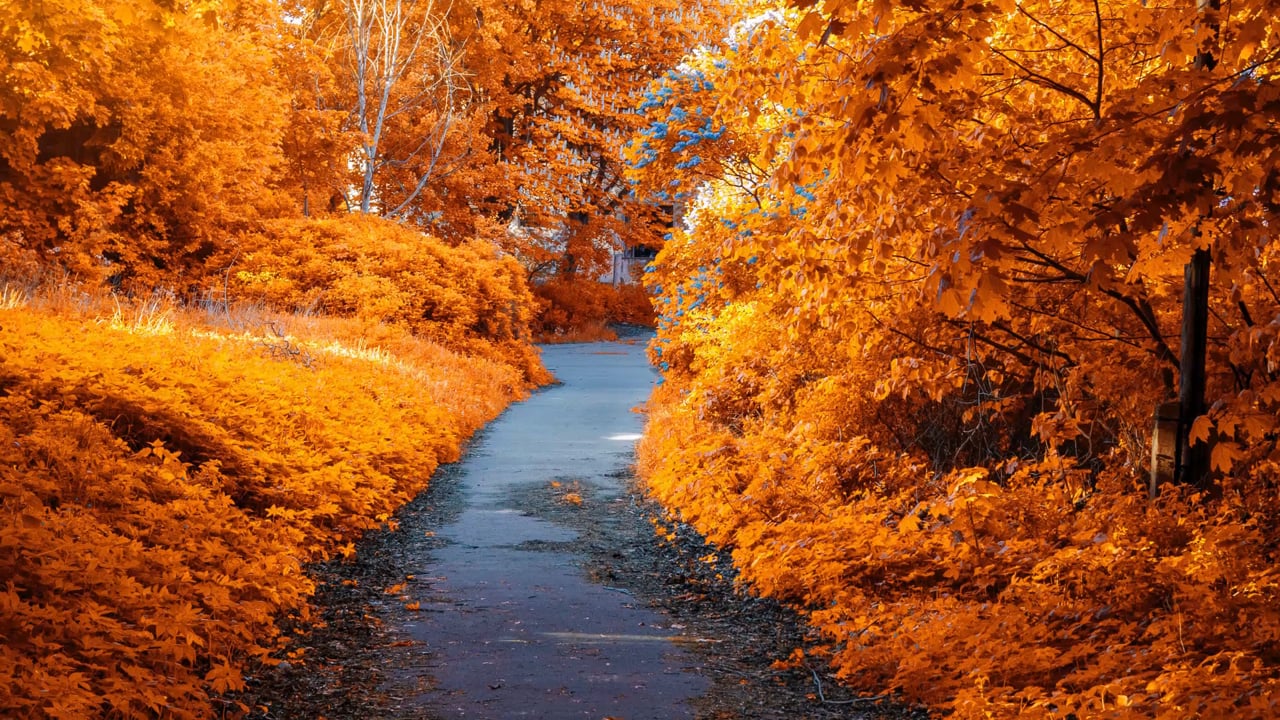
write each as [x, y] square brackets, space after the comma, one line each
[402, 58]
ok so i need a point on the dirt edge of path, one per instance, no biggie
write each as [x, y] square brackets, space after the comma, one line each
[734, 636]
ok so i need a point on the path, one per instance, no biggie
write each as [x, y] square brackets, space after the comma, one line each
[499, 598]
[515, 629]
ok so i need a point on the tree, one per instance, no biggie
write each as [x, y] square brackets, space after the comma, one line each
[559, 90]
[402, 60]
[402, 87]
[136, 137]
[498, 120]
[930, 295]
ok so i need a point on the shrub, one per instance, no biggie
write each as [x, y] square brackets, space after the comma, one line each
[163, 483]
[572, 309]
[468, 297]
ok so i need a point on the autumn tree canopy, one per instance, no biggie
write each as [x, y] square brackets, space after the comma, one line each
[928, 299]
[503, 120]
[136, 136]
[146, 138]
[559, 111]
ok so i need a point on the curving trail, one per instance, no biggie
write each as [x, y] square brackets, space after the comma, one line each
[511, 625]
[527, 583]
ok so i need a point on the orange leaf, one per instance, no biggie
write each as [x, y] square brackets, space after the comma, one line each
[1200, 429]
[1224, 456]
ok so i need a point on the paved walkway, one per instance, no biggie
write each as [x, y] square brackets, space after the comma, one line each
[513, 629]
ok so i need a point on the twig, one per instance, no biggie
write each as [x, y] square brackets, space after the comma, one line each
[730, 671]
[817, 682]
[226, 295]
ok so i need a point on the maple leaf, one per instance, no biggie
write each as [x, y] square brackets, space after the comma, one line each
[224, 678]
[1201, 428]
[1224, 455]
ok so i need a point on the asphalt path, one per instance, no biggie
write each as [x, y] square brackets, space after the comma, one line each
[513, 625]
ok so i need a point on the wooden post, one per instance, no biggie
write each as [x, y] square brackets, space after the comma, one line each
[1164, 446]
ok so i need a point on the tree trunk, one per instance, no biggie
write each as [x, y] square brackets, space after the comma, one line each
[1192, 463]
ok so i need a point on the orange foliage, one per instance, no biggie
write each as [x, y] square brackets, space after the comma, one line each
[914, 334]
[560, 86]
[468, 296]
[484, 119]
[136, 135]
[141, 138]
[577, 310]
[163, 482]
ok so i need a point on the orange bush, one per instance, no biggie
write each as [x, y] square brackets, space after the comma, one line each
[164, 481]
[929, 297]
[469, 296]
[1027, 586]
[577, 309]
[137, 135]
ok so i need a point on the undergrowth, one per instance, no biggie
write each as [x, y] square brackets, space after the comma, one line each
[167, 473]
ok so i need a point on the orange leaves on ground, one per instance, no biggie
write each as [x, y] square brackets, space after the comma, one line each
[569, 494]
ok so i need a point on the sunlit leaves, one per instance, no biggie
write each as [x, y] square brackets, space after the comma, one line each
[139, 137]
[915, 332]
[464, 296]
[160, 492]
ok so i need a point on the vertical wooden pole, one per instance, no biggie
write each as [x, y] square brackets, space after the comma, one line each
[1164, 446]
